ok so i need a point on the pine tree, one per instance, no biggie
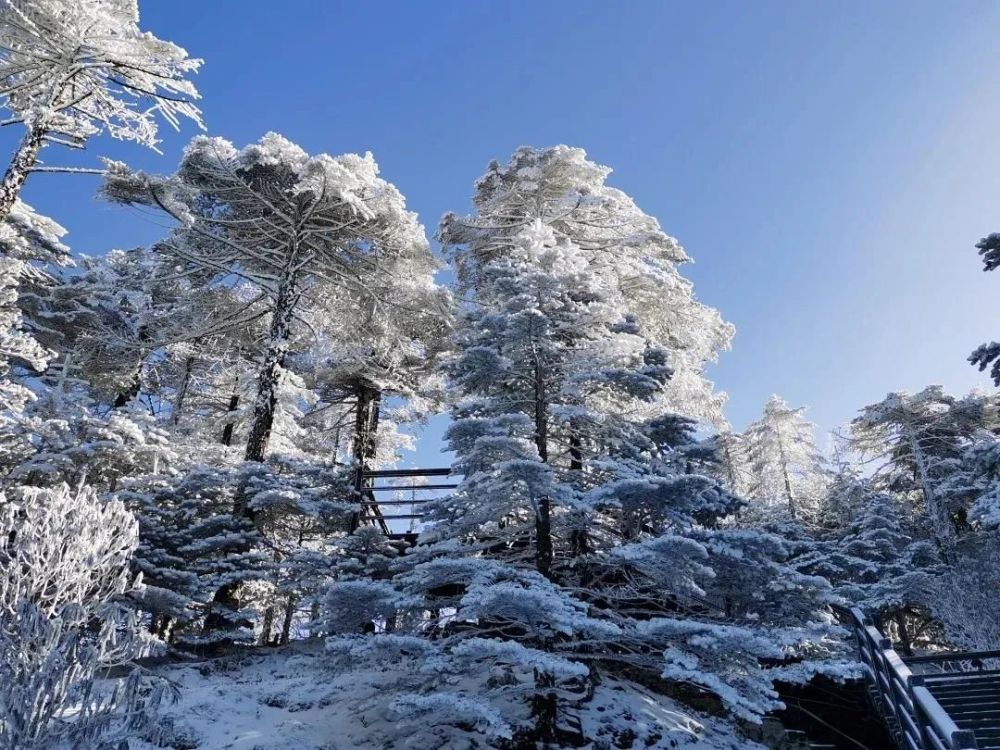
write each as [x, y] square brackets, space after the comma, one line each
[578, 542]
[964, 596]
[383, 347]
[293, 228]
[338, 226]
[787, 475]
[989, 354]
[914, 442]
[971, 490]
[885, 572]
[732, 468]
[31, 248]
[73, 68]
[561, 188]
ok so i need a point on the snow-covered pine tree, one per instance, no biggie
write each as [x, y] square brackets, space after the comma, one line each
[381, 355]
[878, 568]
[110, 326]
[846, 491]
[64, 565]
[965, 596]
[989, 354]
[76, 444]
[117, 319]
[787, 475]
[569, 550]
[548, 337]
[73, 68]
[975, 485]
[913, 444]
[732, 468]
[560, 187]
[31, 248]
[291, 226]
[190, 545]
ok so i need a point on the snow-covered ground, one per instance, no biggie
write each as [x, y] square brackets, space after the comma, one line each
[290, 699]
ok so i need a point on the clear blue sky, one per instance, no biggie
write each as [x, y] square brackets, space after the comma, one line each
[829, 166]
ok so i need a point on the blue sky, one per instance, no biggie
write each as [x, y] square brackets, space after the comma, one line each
[828, 166]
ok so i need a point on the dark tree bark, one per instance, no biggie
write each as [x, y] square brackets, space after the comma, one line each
[905, 642]
[784, 473]
[543, 516]
[575, 452]
[365, 447]
[266, 625]
[20, 167]
[226, 602]
[579, 543]
[182, 390]
[286, 625]
[269, 378]
[729, 465]
[366, 418]
[234, 402]
[545, 711]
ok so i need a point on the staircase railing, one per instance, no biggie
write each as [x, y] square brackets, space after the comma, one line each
[913, 715]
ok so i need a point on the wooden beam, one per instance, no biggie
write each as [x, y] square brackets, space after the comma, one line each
[409, 487]
[386, 473]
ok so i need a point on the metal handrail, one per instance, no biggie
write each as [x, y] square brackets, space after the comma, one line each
[918, 721]
[951, 656]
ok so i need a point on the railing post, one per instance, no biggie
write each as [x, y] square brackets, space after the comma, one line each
[903, 698]
[916, 680]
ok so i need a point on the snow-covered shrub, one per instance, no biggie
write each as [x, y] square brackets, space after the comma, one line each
[64, 563]
[965, 597]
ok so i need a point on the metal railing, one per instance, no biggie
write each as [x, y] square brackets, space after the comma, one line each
[914, 716]
[955, 662]
[381, 513]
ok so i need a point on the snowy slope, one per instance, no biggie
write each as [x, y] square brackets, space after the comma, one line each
[287, 699]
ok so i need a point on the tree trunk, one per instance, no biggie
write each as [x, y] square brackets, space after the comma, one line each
[226, 603]
[543, 515]
[545, 710]
[905, 642]
[575, 452]
[269, 379]
[366, 418]
[578, 540]
[941, 528]
[784, 474]
[234, 402]
[730, 469]
[266, 626]
[19, 169]
[286, 625]
[57, 394]
[182, 390]
[543, 534]
[364, 447]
